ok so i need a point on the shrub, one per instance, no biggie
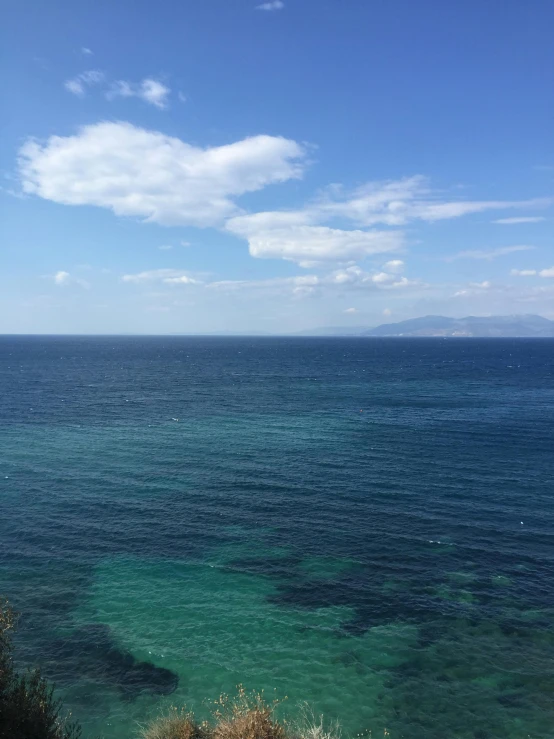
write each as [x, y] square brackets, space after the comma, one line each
[28, 709]
[310, 726]
[174, 725]
[247, 716]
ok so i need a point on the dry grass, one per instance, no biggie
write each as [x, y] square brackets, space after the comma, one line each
[174, 725]
[246, 716]
[310, 726]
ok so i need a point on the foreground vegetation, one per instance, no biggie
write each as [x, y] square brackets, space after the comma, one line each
[246, 716]
[28, 710]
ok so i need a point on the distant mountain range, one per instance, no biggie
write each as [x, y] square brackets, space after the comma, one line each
[472, 326]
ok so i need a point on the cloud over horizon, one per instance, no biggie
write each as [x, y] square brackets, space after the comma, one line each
[156, 178]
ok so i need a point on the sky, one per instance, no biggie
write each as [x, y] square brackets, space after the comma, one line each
[270, 167]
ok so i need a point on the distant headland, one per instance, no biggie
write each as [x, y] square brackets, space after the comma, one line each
[516, 326]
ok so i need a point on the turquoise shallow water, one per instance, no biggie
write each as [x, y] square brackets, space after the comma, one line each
[363, 525]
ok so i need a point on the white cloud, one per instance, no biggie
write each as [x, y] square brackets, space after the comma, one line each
[395, 265]
[159, 178]
[154, 92]
[165, 247]
[272, 5]
[351, 310]
[120, 88]
[356, 276]
[92, 77]
[474, 288]
[549, 272]
[309, 263]
[375, 202]
[485, 285]
[289, 236]
[186, 243]
[168, 276]
[150, 90]
[387, 312]
[182, 97]
[86, 51]
[523, 272]
[78, 84]
[182, 280]
[488, 254]
[75, 86]
[522, 219]
[383, 277]
[62, 278]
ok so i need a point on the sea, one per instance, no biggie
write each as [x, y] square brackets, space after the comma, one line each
[361, 525]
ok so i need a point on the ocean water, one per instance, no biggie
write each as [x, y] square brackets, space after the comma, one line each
[363, 524]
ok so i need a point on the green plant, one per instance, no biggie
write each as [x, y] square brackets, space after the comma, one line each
[28, 709]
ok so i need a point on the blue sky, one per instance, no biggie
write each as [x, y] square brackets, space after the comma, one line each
[234, 165]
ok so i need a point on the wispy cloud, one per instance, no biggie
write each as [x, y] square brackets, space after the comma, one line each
[272, 5]
[349, 278]
[303, 284]
[77, 85]
[523, 272]
[63, 278]
[168, 276]
[398, 202]
[85, 51]
[150, 90]
[303, 235]
[546, 273]
[522, 219]
[474, 288]
[165, 247]
[352, 278]
[489, 254]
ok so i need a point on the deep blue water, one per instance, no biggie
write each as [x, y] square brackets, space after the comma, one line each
[366, 524]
